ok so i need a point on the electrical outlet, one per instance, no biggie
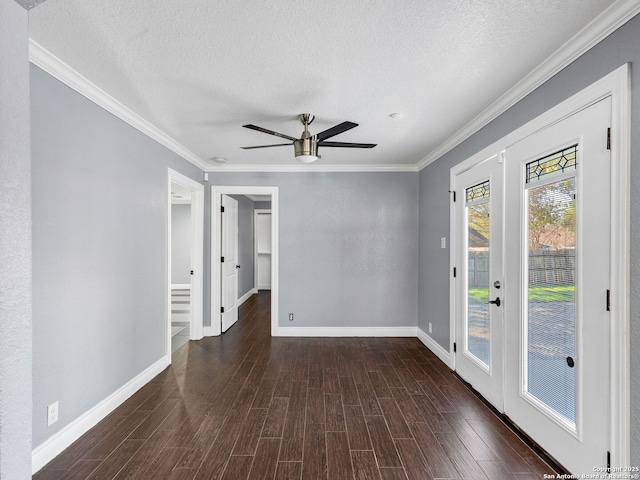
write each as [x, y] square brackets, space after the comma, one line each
[291, 317]
[52, 414]
[430, 328]
[443, 242]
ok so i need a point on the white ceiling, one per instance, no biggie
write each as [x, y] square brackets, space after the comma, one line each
[200, 70]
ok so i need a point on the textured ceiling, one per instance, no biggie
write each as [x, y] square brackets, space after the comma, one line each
[200, 70]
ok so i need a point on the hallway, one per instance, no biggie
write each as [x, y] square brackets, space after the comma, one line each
[246, 405]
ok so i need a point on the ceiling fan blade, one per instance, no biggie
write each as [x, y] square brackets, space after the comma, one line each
[333, 131]
[270, 132]
[266, 146]
[347, 145]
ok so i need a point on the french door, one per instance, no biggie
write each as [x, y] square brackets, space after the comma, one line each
[559, 218]
[479, 289]
[548, 339]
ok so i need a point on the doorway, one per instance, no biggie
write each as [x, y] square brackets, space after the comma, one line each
[181, 245]
[219, 321]
[538, 235]
[262, 249]
[185, 243]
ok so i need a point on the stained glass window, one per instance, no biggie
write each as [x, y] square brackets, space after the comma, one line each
[478, 192]
[556, 163]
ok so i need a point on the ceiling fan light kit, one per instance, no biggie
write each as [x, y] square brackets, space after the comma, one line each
[306, 147]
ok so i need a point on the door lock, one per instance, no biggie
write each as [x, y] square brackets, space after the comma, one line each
[495, 302]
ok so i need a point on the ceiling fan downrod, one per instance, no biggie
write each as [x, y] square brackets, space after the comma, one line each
[306, 148]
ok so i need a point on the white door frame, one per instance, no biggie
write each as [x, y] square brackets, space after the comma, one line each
[216, 195]
[616, 85]
[197, 254]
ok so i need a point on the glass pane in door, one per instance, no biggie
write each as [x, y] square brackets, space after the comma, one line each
[551, 306]
[478, 320]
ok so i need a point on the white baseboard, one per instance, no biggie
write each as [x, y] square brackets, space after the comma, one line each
[180, 286]
[247, 296]
[208, 331]
[347, 331]
[435, 347]
[52, 447]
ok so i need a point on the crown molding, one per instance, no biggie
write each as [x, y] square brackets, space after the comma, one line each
[306, 168]
[44, 59]
[599, 28]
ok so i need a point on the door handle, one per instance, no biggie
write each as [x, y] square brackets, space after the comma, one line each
[495, 302]
[237, 266]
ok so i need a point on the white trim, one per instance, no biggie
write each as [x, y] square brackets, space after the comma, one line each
[306, 168]
[216, 202]
[181, 286]
[209, 331]
[55, 67]
[605, 24]
[54, 445]
[247, 296]
[452, 264]
[435, 347]
[616, 85]
[197, 255]
[347, 331]
[620, 319]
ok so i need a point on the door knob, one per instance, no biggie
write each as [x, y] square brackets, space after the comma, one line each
[495, 302]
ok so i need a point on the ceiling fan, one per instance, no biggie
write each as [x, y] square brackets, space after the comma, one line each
[306, 147]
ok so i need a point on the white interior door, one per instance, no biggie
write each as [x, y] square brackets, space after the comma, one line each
[229, 263]
[558, 225]
[479, 280]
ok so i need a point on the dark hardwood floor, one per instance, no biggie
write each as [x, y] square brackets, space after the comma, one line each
[245, 405]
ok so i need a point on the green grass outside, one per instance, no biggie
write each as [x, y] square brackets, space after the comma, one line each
[547, 293]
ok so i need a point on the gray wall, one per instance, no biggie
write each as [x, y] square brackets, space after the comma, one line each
[611, 53]
[180, 243]
[99, 251]
[348, 246]
[15, 245]
[245, 244]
